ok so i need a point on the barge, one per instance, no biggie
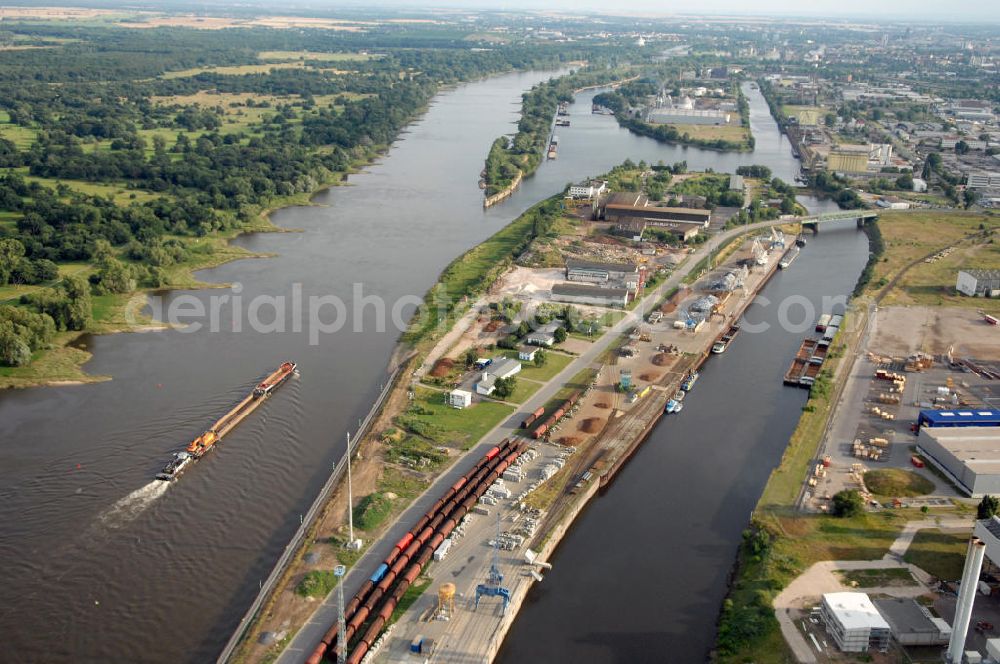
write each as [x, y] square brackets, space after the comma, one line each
[787, 259]
[206, 441]
[725, 339]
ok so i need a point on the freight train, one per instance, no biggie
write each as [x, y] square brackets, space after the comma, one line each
[378, 597]
[541, 429]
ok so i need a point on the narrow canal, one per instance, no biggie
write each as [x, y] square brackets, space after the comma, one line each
[102, 564]
[643, 572]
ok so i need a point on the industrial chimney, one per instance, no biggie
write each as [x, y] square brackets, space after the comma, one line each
[966, 596]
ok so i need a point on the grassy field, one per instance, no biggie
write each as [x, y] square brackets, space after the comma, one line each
[21, 137]
[235, 70]
[897, 483]
[938, 553]
[911, 235]
[523, 390]
[279, 56]
[554, 363]
[431, 417]
[730, 132]
[122, 194]
[807, 115]
[13, 291]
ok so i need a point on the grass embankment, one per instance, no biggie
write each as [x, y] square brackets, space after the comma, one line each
[909, 236]
[897, 483]
[473, 272]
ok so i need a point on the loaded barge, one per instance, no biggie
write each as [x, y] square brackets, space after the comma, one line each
[725, 339]
[789, 256]
[203, 443]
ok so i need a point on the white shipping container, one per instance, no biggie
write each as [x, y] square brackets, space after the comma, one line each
[442, 551]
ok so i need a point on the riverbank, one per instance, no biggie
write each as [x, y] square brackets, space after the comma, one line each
[63, 363]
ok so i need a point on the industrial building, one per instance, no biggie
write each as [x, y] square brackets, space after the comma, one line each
[591, 189]
[501, 367]
[968, 455]
[983, 180]
[625, 275]
[854, 622]
[912, 624]
[978, 283]
[583, 294]
[690, 116]
[981, 417]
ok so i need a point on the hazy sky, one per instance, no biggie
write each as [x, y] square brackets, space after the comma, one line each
[894, 9]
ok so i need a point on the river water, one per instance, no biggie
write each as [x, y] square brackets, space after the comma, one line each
[101, 564]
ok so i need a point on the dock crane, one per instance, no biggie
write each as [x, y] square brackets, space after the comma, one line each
[493, 586]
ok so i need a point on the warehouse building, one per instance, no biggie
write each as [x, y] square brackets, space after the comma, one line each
[583, 294]
[982, 417]
[968, 455]
[912, 624]
[978, 283]
[625, 275]
[854, 622]
[689, 116]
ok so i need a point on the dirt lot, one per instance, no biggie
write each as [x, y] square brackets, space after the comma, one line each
[906, 330]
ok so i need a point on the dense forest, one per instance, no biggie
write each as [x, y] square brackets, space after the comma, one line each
[117, 146]
[523, 153]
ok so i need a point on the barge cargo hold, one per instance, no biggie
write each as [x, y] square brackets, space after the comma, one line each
[787, 259]
[725, 339]
[203, 443]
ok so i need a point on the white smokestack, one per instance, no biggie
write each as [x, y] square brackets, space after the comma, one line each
[966, 597]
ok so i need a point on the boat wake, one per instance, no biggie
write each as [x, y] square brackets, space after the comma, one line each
[134, 504]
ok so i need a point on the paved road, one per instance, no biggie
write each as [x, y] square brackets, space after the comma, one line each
[305, 641]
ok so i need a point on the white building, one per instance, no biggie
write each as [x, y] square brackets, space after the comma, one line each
[983, 180]
[460, 398]
[591, 189]
[968, 456]
[854, 622]
[527, 353]
[919, 185]
[693, 116]
[502, 367]
[978, 283]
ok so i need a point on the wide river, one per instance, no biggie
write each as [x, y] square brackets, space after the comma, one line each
[102, 564]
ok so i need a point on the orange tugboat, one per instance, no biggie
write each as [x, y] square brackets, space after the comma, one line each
[203, 443]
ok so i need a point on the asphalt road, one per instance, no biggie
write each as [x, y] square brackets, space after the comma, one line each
[308, 637]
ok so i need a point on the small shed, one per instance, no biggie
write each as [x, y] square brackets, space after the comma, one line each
[460, 399]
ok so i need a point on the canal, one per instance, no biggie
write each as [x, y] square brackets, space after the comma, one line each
[103, 564]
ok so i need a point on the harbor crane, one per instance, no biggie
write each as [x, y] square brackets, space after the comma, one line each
[494, 581]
